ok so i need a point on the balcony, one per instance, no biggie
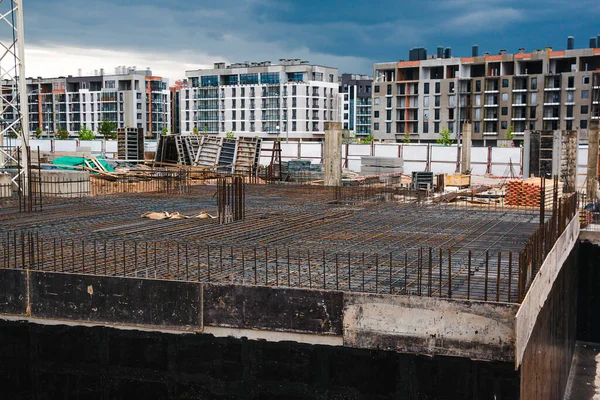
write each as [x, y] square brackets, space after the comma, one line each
[551, 89]
[519, 104]
[490, 105]
[490, 133]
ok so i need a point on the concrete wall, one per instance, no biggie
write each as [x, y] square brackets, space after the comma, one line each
[588, 297]
[97, 363]
[397, 323]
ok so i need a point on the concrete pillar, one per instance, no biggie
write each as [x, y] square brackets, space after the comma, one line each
[592, 170]
[467, 142]
[332, 157]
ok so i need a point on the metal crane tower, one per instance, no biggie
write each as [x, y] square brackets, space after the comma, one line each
[14, 117]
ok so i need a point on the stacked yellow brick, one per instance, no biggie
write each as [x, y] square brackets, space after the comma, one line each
[526, 193]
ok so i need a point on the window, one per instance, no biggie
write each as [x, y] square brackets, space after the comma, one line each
[504, 83]
[389, 90]
[294, 126]
[110, 84]
[437, 101]
[451, 101]
[331, 78]
[243, 91]
[376, 89]
[318, 76]
[571, 82]
[533, 98]
[585, 94]
[294, 90]
[586, 80]
[451, 113]
[533, 83]
[504, 125]
[504, 96]
[388, 115]
[478, 113]
[532, 112]
[426, 88]
[426, 115]
[233, 116]
[376, 114]
[376, 126]
[451, 87]
[425, 127]
[451, 126]
[243, 126]
[570, 125]
[293, 114]
[389, 102]
[138, 96]
[388, 127]
[243, 103]
[425, 101]
[211, 80]
[233, 126]
[436, 114]
[477, 99]
[584, 109]
[233, 103]
[504, 110]
[346, 106]
[570, 97]
[477, 127]
[139, 106]
[583, 124]
[569, 111]
[478, 86]
[437, 87]
[249, 79]
[436, 127]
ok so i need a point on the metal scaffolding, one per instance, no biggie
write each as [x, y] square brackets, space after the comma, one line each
[14, 121]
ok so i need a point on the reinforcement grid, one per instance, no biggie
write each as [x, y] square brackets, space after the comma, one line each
[291, 236]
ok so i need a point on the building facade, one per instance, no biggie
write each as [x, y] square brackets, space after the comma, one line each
[291, 100]
[541, 90]
[356, 102]
[129, 98]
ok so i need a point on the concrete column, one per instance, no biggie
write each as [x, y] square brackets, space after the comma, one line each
[332, 154]
[592, 170]
[467, 142]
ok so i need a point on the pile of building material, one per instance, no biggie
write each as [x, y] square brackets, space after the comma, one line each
[458, 180]
[226, 155]
[527, 193]
[381, 165]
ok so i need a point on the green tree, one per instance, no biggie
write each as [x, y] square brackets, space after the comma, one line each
[62, 134]
[406, 138]
[165, 131]
[509, 134]
[230, 135]
[38, 133]
[368, 139]
[195, 131]
[445, 137]
[14, 133]
[86, 134]
[107, 129]
[205, 130]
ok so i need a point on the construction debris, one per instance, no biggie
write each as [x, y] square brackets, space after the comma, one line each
[175, 215]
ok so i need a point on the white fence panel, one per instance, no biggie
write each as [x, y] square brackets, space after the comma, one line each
[44, 145]
[359, 150]
[443, 153]
[65, 145]
[386, 150]
[95, 145]
[354, 165]
[289, 151]
[311, 151]
[415, 153]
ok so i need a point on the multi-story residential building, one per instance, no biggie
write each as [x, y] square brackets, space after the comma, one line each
[356, 102]
[291, 100]
[540, 90]
[129, 98]
[176, 105]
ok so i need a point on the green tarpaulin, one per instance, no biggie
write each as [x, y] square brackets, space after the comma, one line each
[66, 162]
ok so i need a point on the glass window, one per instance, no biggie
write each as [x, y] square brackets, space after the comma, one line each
[425, 101]
[477, 99]
[376, 101]
[437, 101]
[451, 101]
[584, 109]
[504, 110]
[249, 79]
[504, 96]
[533, 98]
[534, 83]
[583, 124]
[478, 113]
[437, 87]
[585, 94]
[586, 80]
[376, 114]
[425, 127]
[532, 112]
[436, 114]
[211, 80]
[425, 115]
[504, 83]
[426, 88]
[376, 89]
[478, 86]
[270, 78]
[504, 125]
[376, 126]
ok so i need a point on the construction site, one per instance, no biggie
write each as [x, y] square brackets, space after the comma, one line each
[235, 268]
[200, 242]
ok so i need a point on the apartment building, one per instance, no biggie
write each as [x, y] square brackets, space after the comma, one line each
[356, 102]
[540, 90]
[176, 91]
[291, 100]
[129, 98]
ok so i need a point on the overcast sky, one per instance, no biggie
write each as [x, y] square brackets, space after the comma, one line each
[170, 36]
